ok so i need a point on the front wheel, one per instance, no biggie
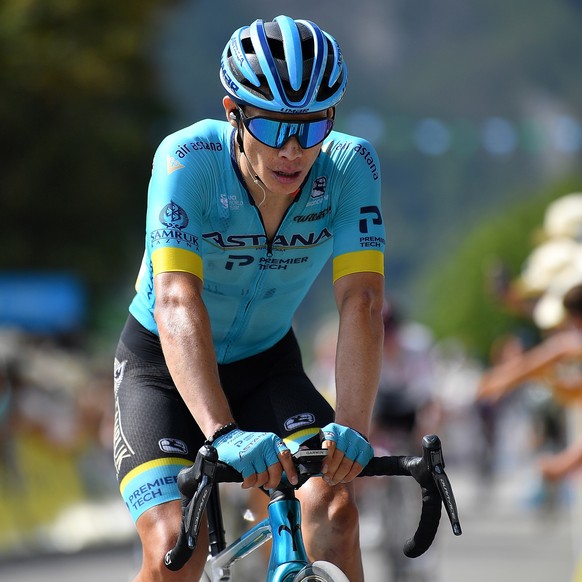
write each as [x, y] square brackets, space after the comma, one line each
[320, 572]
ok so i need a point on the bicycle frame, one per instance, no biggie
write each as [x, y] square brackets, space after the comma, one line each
[288, 555]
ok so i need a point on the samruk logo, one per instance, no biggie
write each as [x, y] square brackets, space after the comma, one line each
[174, 216]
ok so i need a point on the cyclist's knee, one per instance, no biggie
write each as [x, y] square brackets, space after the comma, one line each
[331, 531]
[158, 530]
[342, 508]
[336, 505]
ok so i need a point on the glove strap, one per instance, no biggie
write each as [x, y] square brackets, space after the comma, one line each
[225, 429]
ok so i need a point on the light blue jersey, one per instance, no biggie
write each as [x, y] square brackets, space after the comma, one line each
[201, 219]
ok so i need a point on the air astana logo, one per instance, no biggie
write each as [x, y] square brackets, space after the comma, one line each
[172, 164]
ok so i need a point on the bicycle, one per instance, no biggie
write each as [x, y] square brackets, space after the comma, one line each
[288, 562]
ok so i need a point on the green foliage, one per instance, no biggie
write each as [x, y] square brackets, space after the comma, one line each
[459, 296]
[76, 111]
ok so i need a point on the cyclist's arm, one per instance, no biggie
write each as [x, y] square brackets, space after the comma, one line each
[186, 339]
[359, 298]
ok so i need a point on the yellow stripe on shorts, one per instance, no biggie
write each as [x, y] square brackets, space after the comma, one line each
[296, 439]
[151, 465]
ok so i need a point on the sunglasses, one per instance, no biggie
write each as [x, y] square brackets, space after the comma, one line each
[275, 133]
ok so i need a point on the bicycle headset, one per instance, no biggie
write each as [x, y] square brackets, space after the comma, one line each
[286, 66]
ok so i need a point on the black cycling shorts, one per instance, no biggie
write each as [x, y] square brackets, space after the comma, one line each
[156, 436]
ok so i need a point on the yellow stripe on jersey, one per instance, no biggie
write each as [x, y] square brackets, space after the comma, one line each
[172, 259]
[358, 262]
[152, 465]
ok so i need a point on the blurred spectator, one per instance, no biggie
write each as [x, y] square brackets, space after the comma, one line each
[548, 289]
[55, 427]
[556, 362]
[322, 369]
[405, 409]
[560, 357]
[9, 384]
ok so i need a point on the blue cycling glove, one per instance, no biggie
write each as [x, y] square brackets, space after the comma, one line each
[350, 442]
[249, 452]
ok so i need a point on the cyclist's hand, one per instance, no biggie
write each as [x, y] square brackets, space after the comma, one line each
[260, 457]
[348, 453]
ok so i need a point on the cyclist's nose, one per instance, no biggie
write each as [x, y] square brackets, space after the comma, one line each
[291, 149]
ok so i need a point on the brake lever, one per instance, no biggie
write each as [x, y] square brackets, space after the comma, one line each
[433, 456]
[195, 484]
[195, 491]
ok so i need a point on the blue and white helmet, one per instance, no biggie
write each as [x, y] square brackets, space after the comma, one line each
[287, 66]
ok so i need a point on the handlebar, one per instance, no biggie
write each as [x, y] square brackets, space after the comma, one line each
[429, 472]
[195, 484]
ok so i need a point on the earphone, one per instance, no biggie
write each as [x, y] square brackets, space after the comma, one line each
[233, 116]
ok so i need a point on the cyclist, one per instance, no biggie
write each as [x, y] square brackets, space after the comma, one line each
[242, 216]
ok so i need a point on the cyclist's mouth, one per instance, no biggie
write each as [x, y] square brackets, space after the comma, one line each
[287, 177]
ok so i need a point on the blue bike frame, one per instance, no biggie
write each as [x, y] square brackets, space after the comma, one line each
[288, 555]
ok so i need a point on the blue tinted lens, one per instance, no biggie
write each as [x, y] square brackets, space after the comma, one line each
[275, 133]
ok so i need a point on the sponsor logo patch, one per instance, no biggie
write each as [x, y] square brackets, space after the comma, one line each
[173, 164]
[169, 445]
[318, 187]
[299, 420]
[118, 372]
[175, 219]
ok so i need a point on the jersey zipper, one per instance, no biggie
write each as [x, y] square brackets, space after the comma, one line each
[239, 322]
[257, 285]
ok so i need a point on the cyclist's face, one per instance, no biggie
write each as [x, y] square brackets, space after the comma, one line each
[281, 169]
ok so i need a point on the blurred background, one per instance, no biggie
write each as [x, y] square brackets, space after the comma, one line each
[476, 112]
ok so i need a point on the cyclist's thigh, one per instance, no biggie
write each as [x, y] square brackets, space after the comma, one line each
[155, 435]
[287, 405]
[282, 399]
